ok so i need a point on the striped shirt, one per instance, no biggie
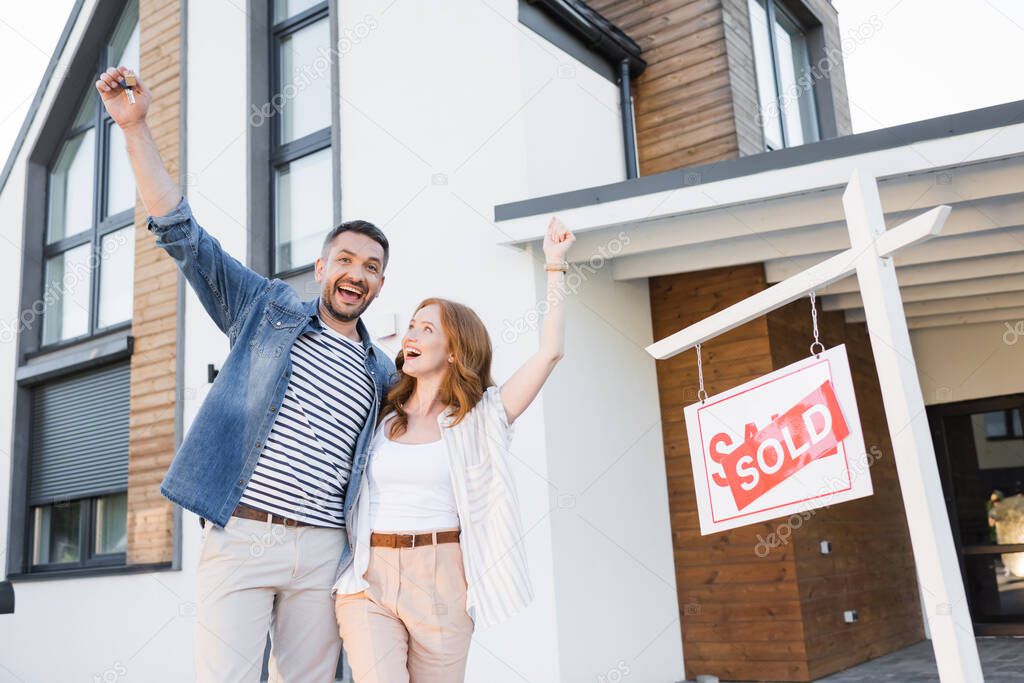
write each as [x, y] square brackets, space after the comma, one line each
[305, 463]
[492, 539]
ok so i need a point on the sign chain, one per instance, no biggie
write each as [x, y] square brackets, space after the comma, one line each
[814, 323]
[701, 394]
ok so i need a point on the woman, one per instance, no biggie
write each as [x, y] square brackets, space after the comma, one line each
[438, 542]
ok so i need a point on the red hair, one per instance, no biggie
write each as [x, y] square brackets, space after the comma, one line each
[468, 375]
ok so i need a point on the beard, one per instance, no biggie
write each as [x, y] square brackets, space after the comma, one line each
[327, 299]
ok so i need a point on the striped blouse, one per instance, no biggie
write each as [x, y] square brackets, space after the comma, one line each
[493, 553]
[307, 458]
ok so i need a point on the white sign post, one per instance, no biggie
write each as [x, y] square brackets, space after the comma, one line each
[870, 256]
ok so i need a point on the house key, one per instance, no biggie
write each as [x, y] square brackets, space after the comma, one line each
[129, 83]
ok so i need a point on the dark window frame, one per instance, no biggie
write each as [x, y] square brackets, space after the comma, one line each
[1010, 431]
[810, 26]
[101, 223]
[21, 532]
[88, 559]
[937, 414]
[266, 153]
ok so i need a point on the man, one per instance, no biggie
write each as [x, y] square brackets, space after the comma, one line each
[281, 438]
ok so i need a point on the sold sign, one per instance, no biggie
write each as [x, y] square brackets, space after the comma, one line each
[809, 430]
[786, 442]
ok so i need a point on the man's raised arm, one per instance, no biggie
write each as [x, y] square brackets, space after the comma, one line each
[224, 285]
[159, 191]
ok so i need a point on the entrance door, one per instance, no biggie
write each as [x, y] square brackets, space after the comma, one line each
[980, 449]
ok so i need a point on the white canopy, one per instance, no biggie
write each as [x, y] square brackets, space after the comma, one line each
[784, 209]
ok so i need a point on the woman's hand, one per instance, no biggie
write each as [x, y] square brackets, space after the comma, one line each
[557, 241]
[116, 100]
[525, 383]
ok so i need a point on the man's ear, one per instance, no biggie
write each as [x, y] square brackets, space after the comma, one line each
[318, 268]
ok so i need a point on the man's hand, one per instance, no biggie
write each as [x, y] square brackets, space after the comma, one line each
[124, 113]
[159, 192]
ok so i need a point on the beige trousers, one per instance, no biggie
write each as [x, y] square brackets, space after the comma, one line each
[410, 625]
[255, 576]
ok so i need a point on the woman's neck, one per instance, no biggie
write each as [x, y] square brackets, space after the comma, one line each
[425, 398]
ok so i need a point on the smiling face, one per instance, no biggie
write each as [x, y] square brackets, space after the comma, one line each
[351, 275]
[425, 344]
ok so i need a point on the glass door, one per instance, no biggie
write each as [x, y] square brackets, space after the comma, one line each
[980, 450]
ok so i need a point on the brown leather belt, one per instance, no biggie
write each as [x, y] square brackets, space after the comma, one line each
[413, 540]
[249, 512]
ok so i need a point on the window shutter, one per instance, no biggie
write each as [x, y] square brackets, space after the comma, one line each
[79, 439]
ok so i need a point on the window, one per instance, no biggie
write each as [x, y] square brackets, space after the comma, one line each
[90, 234]
[78, 463]
[785, 83]
[301, 176]
[1003, 424]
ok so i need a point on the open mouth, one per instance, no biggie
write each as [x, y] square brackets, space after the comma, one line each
[349, 294]
[411, 352]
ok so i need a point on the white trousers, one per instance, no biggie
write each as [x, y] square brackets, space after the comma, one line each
[255, 576]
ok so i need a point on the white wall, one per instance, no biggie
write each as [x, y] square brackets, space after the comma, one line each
[11, 205]
[618, 613]
[439, 124]
[573, 121]
[969, 361]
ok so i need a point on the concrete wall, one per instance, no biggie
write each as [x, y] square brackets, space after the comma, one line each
[614, 574]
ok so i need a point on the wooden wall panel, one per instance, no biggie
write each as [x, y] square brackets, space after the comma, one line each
[697, 102]
[154, 321]
[683, 100]
[740, 613]
[742, 77]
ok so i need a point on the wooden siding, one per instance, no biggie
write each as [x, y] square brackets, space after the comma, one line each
[683, 100]
[741, 614]
[696, 102]
[154, 321]
[742, 76]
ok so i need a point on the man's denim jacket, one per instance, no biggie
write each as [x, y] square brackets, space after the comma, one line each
[262, 318]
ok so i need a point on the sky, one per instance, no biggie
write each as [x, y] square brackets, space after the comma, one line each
[917, 59]
[905, 60]
[28, 37]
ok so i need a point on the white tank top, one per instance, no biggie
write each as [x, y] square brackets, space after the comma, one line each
[410, 488]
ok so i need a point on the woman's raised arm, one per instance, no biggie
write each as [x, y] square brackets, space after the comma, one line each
[525, 383]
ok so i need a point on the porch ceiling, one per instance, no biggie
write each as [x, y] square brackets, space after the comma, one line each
[790, 218]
